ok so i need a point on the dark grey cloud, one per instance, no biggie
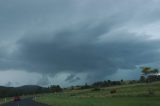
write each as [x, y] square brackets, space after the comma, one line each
[72, 78]
[89, 36]
[83, 50]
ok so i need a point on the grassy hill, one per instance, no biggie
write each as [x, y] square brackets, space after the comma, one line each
[126, 95]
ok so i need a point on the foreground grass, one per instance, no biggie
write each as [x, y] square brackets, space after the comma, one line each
[5, 100]
[126, 95]
[107, 101]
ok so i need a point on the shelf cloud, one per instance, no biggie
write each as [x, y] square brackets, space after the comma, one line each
[87, 37]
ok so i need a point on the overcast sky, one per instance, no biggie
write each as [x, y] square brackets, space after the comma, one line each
[71, 42]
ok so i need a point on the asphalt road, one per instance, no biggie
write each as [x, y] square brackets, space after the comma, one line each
[24, 102]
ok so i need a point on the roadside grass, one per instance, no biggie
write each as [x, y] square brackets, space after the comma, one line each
[5, 100]
[126, 95]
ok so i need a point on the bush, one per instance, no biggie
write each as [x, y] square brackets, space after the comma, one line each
[151, 92]
[96, 89]
[113, 91]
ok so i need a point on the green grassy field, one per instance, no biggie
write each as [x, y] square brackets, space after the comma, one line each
[126, 95]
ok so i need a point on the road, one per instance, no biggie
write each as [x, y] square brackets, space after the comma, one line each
[24, 102]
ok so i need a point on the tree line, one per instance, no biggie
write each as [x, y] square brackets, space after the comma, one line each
[148, 74]
[27, 90]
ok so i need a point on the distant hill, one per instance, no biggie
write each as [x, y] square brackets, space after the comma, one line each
[27, 90]
[29, 87]
[5, 87]
[22, 90]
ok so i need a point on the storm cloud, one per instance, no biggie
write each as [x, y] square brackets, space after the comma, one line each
[95, 38]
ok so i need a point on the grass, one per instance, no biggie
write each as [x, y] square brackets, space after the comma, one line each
[5, 100]
[107, 101]
[127, 95]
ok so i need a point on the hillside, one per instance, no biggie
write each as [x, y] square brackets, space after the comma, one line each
[143, 94]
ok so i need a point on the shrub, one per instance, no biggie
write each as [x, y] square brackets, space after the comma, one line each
[113, 91]
[151, 92]
[96, 89]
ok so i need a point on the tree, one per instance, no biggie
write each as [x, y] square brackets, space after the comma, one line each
[146, 71]
[86, 86]
[55, 88]
[142, 79]
[155, 71]
[149, 70]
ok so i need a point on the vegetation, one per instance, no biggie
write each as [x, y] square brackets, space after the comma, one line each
[149, 74]
[107, 101]
[124, 95]
[148, 70]
[101, 93]
[27, 90]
